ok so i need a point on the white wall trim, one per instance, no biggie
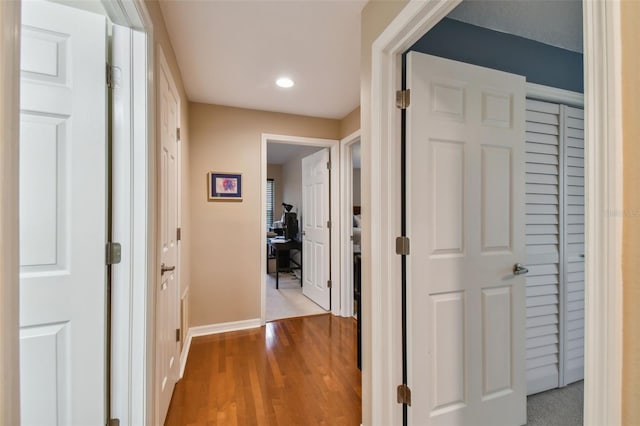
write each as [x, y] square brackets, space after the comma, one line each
[334, 146]
[553, 94]
[346, 200]
[9, 178]
[206, 330]
[603, 208]
[603, 213]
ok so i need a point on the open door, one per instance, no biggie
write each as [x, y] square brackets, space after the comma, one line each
[167, 296]
[465, 218]
[316, 256]
[63, 222]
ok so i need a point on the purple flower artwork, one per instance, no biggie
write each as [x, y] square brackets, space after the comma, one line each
[225, 186]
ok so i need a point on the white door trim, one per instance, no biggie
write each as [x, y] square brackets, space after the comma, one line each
[334, 146]
[346, 199]
[137, 214]
[603, 338]
[130, 186]
[9, 249]
[603, 213]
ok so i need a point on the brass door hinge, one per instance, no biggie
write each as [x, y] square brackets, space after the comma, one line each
[329, 284]
[403, 99]
[404, 394]
[179, 234]
[177, 334]
[402, 246]
[114, 253]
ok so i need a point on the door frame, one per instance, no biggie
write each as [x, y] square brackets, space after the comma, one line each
[334, 149]
[603, 193]
[346, 222]
[9, 249]
[132, 14]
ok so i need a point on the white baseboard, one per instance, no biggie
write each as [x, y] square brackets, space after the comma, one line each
[205, 330]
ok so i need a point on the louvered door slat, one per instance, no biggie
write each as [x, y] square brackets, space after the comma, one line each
[572, 120]
[543, 250]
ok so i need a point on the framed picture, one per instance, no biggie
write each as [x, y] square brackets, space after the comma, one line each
[225, 186]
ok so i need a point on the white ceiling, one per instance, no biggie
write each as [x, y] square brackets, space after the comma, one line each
[554, 22]
[231, 52]
[281, 153]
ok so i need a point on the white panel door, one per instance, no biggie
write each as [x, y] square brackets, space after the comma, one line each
[62, 216]
[167, 311]
[543, 238]
[315, 229]
[465, 219]
[573, 129]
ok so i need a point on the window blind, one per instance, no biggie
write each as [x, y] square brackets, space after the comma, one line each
[271, 198]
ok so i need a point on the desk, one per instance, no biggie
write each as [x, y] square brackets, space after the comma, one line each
[279, 246]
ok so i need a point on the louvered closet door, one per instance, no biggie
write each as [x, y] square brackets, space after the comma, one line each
[543, 245]
[573, 256]
[555, 245]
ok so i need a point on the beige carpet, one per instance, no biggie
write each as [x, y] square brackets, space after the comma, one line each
[288, 301]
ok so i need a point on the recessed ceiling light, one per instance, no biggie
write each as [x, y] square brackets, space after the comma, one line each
[284, 82]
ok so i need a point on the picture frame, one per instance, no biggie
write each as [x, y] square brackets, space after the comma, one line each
[224, 186]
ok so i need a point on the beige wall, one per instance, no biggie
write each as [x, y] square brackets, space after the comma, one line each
[356, 187]
[350, 123]
[274, 171]
[631, 239]
[292, 177]
[376, 15]
[161, 40]
[226, 261]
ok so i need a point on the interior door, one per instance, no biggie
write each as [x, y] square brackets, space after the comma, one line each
[315, 236]
[167, 311]
[465, 220]
[62, 215]
[573, 348]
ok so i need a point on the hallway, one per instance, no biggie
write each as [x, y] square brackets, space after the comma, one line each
[298, 371]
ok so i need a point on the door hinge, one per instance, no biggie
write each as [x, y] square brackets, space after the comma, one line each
[329, 224]
[114, 422]
[177, 334]
[403, 98]
[178, 134]
[179, 234]
[114, 253]
[113, 76]
[404, 394]
[402, 246]
[328, 165]
[329, 284]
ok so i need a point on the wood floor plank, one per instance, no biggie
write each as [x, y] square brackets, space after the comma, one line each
[298, 371]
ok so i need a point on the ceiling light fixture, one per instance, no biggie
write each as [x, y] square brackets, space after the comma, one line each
[284, 82]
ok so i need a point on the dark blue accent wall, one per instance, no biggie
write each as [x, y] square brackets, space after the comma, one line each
[540, 63]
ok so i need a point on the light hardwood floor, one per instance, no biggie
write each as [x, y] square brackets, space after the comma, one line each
[298, 371]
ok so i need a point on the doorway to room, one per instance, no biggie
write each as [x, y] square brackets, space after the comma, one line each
[301, 251]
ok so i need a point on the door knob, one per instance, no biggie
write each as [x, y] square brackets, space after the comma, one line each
[164, 268]
[519, 269]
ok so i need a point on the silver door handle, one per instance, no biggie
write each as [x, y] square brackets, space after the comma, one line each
[519, 269]
[164, 268]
